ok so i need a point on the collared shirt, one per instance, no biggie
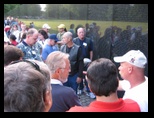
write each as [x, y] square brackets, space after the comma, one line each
[55, 81]
[30, 52]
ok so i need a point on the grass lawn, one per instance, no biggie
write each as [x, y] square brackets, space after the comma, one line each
[103, 24]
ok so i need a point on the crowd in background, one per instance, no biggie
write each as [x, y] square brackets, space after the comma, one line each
[82, 45]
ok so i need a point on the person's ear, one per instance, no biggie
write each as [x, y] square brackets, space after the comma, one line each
[56, 74]
[47, 101]
[130, 68]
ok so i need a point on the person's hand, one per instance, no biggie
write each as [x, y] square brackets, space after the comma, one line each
[78, 80]
[85, 72]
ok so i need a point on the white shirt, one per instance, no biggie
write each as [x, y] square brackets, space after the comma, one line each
[16, 33]
[139, 94]
[55, 81]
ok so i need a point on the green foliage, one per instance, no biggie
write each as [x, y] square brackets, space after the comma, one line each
[100, 12]
[22, 10]
[9, 7]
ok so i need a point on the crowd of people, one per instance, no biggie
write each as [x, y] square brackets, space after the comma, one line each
[45, 72]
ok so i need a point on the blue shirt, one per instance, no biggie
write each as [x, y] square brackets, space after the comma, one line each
[47, 50]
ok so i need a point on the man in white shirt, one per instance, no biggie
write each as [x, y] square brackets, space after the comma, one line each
[135, 83]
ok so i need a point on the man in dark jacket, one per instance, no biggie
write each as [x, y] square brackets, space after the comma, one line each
[76, 60]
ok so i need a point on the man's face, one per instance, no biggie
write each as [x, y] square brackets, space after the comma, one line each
[65, 39]
[124, 69]
[65, 71]
[81, 33]
[33, 39]
[47, 30]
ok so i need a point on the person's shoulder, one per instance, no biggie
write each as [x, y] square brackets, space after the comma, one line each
[64, 91]
[69, 91]
[62, 46]
[131, 105]
[87, 39]
[76, 109]
[38, 44]
[75, 39]
[58, 34]
[75, 45]
[20, 45]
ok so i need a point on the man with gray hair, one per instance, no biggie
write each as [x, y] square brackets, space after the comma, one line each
[27, 87]
[76, 59]
[63, 97]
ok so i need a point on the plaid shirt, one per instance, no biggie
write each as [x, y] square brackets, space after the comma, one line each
[30, 52]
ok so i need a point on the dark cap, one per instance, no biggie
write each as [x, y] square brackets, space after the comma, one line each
[53, 37]
[13, 37]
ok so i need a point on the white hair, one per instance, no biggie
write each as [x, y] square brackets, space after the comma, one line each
[56, 60]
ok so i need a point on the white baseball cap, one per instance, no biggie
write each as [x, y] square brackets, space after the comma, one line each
[134, 57]
[46, 26]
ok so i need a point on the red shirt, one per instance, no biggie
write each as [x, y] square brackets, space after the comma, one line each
[14, 43]
[6, 29]
[121, 105]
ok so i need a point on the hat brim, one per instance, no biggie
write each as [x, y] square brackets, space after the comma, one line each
[61, 27]
[54, 39]
[119, 59]
[48, 27]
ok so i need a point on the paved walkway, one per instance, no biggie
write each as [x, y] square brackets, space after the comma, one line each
[84, 99]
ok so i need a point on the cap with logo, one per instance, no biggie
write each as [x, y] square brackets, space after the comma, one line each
[134, 57]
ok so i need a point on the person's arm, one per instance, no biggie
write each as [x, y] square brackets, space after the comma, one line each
[91, 50]
[91, 55]
[44, 54]
[81, 64]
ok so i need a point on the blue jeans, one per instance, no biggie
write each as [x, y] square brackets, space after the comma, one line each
[81, 85]
[87, 88]
[71, 82]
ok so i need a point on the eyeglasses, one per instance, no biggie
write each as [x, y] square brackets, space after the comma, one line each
[35, 65]
[66, 68]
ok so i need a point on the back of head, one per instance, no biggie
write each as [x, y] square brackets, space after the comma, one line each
[72, 26]
[31, 31]
[56, 60]
[68, 35]
[12, 53]
[102, 77]
[44, 33]
[13, 37]
[25, 84]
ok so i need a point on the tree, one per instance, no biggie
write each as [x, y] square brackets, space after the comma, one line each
[9, 7]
